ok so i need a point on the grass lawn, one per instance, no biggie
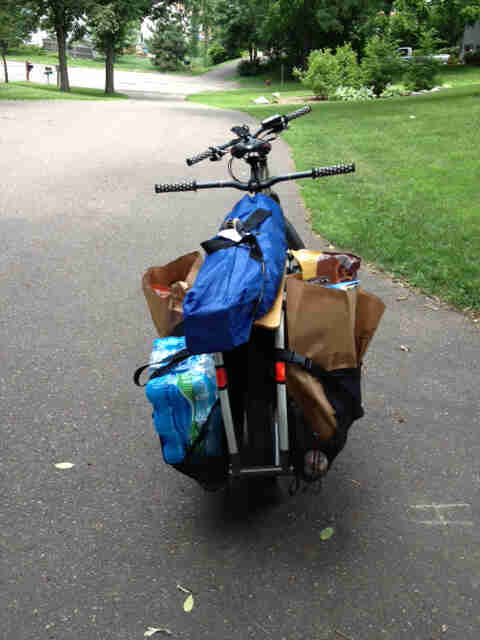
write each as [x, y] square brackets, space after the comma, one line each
[413, 206]
[123, 63]
[460, 76]
[36, 91]
[242, 98]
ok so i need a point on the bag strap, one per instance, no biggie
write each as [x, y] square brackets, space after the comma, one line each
[244, 228]
[292, 357]
[202, 435]
[180, 356]
[257, 218]
[334, 378]
[217, 243]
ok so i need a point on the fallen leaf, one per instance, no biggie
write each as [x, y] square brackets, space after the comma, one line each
[64, 465]
[444, 628]
[152, 630]
[403, 347]
[400, 298]
[188, 604]
[326, 533]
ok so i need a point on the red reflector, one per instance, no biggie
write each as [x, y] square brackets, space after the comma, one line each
[280, 373]
[221, 378]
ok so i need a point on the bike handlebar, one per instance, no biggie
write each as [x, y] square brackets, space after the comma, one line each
[280, 123]
[198, 158]
[318, 172]
[299, 112]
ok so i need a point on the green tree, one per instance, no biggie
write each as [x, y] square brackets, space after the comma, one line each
[60, 16]
[239, 25]
[380, 63]
[16, 24]
[110, 23]
[447, 17]
[169, 43]
[295, 27]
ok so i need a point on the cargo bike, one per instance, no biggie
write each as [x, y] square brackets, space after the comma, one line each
[279, 393]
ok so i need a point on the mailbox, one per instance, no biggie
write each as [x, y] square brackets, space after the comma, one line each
[28, 68]
[48, 72]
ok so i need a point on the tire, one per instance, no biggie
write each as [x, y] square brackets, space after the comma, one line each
[294, 241]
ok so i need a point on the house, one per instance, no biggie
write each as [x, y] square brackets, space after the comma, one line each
[471, 39]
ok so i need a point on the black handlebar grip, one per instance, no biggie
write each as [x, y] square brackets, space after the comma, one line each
[300, 112]
[176, 186]
[199, 157]
[335, 170]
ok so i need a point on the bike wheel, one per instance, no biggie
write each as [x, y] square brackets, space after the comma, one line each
[294, 241]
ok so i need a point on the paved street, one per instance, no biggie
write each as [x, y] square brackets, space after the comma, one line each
[97, 552]
[126, 81]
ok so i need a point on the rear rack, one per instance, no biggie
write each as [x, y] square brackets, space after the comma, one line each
[280, 444]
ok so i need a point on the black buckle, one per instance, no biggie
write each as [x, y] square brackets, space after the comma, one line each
[308, 364]
[234, 223]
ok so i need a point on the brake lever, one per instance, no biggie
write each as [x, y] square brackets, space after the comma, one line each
[242, 131]
[216, 154]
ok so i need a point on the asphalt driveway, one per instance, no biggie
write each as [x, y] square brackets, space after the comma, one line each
[98, 551]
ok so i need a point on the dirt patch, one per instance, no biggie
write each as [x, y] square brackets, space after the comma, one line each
[299, 99]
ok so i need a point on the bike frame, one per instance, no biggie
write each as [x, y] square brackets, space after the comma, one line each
[254, 149]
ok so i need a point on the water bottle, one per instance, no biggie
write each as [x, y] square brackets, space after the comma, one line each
[204, 387]
[162, 349]
[182, 399]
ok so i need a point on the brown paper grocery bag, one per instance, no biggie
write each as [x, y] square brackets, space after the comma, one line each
[321, 323]
[333, 328]
[165, 287]
[369, 312]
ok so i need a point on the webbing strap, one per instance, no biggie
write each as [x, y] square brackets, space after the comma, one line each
[292, 357]
[257, 218]
[333, 378]
[203, 432]
[217, 243]
[172, 362]
[244, 229]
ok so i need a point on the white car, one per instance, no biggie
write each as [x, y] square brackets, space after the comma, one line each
[406, 54]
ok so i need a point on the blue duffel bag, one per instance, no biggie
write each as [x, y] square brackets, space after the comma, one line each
[240, 277]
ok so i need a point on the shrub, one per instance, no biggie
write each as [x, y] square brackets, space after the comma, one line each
[250, 67]
[28, 50]
[352, 94]
[380, 63]
[326, 72]
[421, 73]
[217, 53]
[393, 91]
[452, 51]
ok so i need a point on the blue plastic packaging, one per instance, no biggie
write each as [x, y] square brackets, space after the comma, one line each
[182, 399]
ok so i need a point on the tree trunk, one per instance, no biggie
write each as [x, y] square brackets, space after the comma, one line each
[62, 57]
[109, 59]
[5, 68]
